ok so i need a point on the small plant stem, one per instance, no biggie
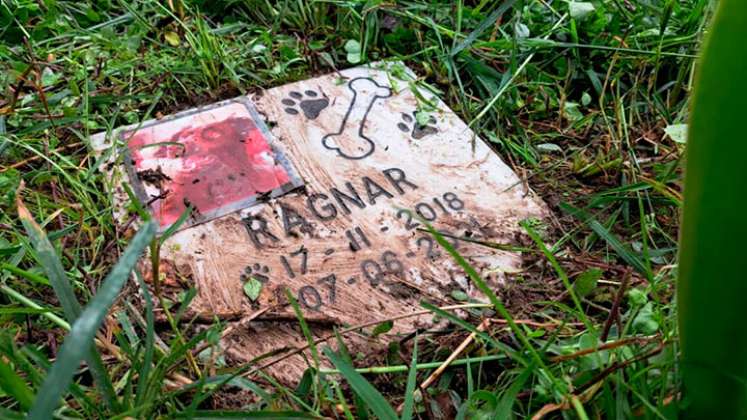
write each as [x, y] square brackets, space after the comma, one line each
[419, 366]
[615, 311]
[31, 304]
[561, 273]
[484, 324]
[172, 322]
[579, 407]
[155, 258]
[358, 327]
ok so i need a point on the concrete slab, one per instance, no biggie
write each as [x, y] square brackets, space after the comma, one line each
[323, 190]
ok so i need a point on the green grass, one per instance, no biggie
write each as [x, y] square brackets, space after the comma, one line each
[575, 96]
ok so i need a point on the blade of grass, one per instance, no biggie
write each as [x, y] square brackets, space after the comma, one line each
[32, 363]
[10, 414]
[309, 338]
[171, 230]
[47, 313]
[485, 289]
[63, 289]
[471, 328]
[145, 364]
[14, 386]
[49, 260]
[561, 273]
[412, 378]
[488, 22]
[25, 274]
[244, 414]
[375, 401]
[626, 254]
[78, 342]
[509, 82]
[503, 409]
[343, 403]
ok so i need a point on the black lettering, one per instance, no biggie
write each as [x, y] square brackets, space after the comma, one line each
[330, 211]
[354, 245]
[291, 219]
[354, 198]
[375, 275]
[310, 298]
[430, 252]
[256, 226]
[396, 177]
[330, 281]
[409, 224]
[425, 211]
[374, 190]
[304, 253]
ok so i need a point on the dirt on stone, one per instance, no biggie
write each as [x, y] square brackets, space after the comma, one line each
[154, 177]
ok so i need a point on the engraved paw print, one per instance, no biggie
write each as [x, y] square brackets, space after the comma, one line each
[258, 271]
[310, 103]
[418, 131]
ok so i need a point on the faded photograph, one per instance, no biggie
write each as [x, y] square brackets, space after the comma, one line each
[212, 161]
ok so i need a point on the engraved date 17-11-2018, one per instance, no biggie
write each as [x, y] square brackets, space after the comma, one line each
[374, 269]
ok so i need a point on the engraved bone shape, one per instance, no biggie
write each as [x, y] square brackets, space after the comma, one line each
[350, 141]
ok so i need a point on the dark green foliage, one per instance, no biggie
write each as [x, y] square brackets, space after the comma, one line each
[711, 287]
[576, 96]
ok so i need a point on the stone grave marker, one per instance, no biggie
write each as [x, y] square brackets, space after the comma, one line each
[320, 187]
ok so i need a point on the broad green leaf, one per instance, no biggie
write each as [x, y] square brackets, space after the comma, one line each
[677, 132]
[78, 341]
[375, 401]
[481, 405]
[711, 286]
[637, 297]
[571, 111]
[580, 9]
[172, 38]
[382, 328]
[644, 322]
[422, 118]
[353, 50]
[587, 281]
[521, 31]
[585, 99]
[252, 289]
[459, 295]
[548, 147]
